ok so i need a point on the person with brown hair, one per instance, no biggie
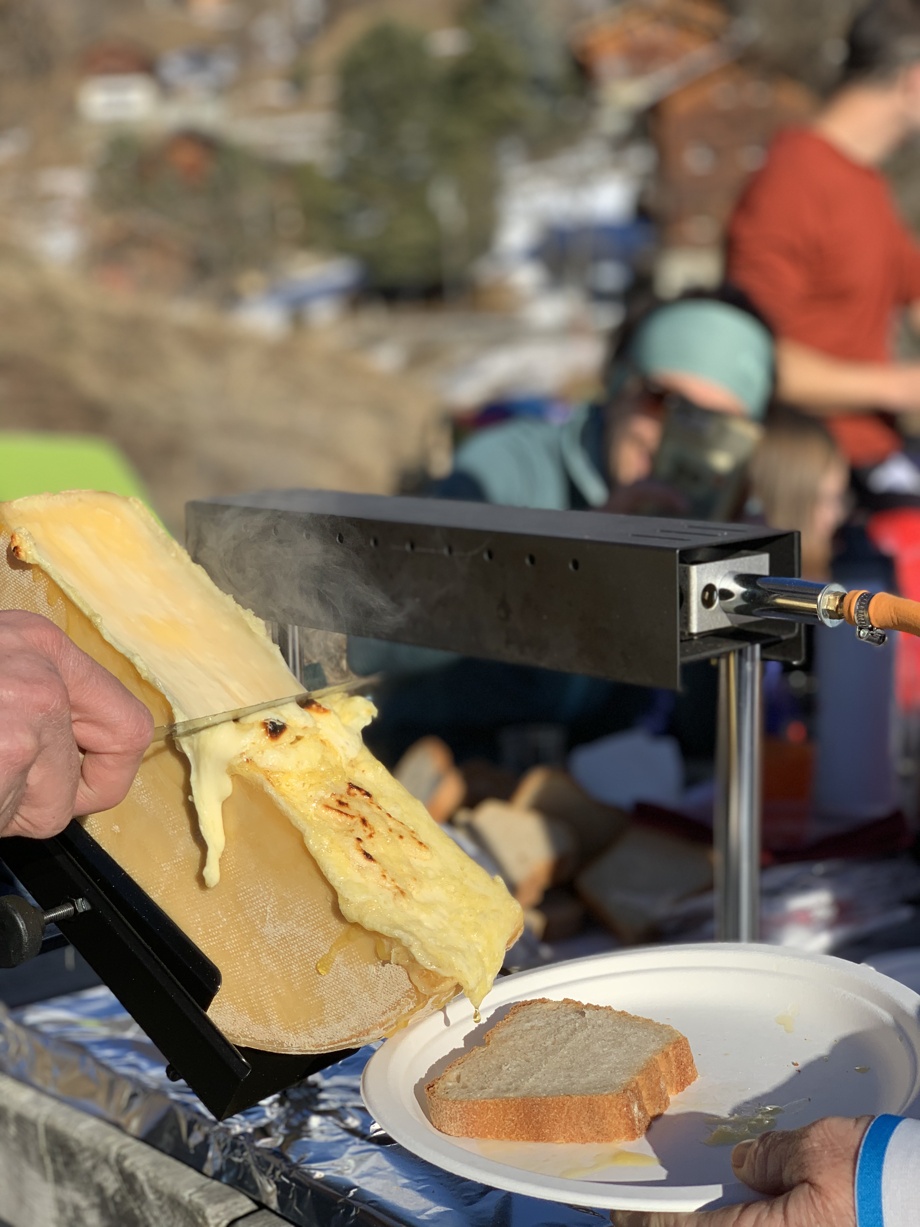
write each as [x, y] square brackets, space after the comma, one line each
[817, 243]
[799, 480]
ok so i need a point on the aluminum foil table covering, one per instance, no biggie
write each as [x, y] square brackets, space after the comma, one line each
[313, 1154]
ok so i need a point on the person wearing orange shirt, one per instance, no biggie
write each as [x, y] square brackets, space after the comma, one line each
[817, 243]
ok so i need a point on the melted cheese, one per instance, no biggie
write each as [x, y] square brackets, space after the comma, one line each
[210, 753]
[396, 874]
[213, 753]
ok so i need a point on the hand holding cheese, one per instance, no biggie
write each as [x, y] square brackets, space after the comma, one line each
[333, 905]
[71, 736]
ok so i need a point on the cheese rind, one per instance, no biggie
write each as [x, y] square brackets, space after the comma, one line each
[150, 600]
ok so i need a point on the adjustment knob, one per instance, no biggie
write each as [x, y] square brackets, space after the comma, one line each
[23, 924]
[22, 927]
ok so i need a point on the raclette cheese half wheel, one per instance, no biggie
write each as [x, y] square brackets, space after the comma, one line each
[334, 906]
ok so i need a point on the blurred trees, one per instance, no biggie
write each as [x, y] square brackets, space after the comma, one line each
[423, 122]
[420, 139]
[388, 110]
[215, 202]
[421, 129]
[534, 29]
[417, 156]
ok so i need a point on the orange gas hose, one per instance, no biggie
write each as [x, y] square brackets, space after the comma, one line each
[886, 612]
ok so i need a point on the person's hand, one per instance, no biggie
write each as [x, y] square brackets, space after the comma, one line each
[71, 736]
[809, 1173]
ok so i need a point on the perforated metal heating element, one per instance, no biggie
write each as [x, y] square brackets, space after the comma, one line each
[581, 592]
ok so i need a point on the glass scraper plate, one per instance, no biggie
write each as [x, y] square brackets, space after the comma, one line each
[780, 1038]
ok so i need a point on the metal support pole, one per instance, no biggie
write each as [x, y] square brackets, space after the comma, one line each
[288, 640]
[738, 800]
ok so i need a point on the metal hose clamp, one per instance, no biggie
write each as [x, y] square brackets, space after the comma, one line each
[864, 628]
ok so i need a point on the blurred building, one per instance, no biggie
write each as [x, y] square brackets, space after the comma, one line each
[711, 135]
[685, 74]
[198, 71]
[636, 52]
[118, 85]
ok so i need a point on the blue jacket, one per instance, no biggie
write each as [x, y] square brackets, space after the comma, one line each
[530, 463]
[521, 463]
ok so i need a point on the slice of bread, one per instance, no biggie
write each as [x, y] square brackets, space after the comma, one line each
[632, 886]
[532, 851]
[562, 1071]
[553, 792]
[428, 771]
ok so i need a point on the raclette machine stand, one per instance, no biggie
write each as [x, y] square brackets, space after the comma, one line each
[624, 598]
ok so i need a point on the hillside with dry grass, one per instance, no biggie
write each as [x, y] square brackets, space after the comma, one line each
[199, 407]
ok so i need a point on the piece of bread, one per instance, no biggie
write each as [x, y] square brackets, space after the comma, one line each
[632, 885]
[427, 770]
[562, 1071]
[532, 851]
[553, 792]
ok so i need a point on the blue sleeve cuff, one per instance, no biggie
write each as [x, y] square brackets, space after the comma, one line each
[869, 1168]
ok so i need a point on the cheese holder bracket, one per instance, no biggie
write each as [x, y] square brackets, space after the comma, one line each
[161, 977]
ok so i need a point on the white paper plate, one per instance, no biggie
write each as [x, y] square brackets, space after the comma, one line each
[806, 1035]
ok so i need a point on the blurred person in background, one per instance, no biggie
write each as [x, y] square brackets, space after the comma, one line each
[711, 351]
[821, 780]
[708, 356]
[799, 478]
[817, 242]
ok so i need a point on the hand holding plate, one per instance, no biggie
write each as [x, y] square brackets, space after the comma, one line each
[809, 1173]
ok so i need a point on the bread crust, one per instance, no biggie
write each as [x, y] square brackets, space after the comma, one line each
[620, 1116]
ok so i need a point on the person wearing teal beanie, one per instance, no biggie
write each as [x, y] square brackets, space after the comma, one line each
[712, 351]
[708, 352]
[722, 351]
